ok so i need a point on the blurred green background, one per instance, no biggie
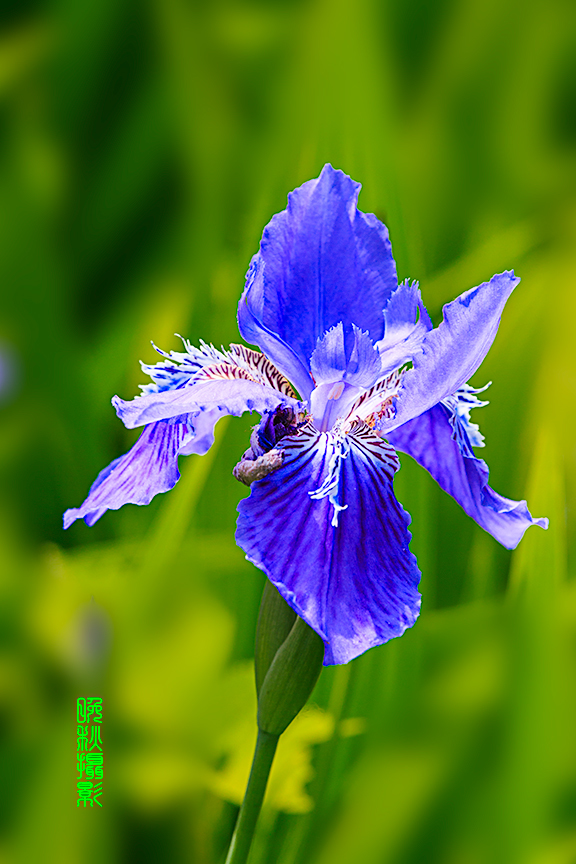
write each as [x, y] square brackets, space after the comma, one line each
[143, 146]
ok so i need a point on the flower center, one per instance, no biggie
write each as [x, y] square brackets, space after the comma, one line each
[332, 401]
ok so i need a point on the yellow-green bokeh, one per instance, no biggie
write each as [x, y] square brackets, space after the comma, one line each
[143, 146]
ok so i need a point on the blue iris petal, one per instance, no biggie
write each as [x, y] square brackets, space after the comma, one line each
[354, 360]
[464, 431]
[321, 262]
[342, 368]
[227, 396]
[453, 351]
[150, 467]
[429, 439]
[355, 584]
[177, 422]
[406, 324]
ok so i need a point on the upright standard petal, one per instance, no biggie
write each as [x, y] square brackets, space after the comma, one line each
[430, 440]
[321, 261]
[253, 330]
[150, 467]
[453, 351]
[340, 373]
[343, 565]
[406, 324]
[357, 362]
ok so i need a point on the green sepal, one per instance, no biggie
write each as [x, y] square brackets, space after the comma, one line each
[290, 679]
[275, 621]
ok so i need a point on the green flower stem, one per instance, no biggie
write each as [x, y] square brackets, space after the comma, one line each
[288, 660]
[245, 826]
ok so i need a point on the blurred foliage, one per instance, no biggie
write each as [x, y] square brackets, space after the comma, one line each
[143, 146]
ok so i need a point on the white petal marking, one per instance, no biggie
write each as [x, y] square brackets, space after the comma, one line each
[182, 369]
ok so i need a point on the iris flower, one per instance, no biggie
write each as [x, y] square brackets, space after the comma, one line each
[351, 371]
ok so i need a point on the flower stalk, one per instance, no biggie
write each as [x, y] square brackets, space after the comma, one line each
[288, 661]
[252, 804]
